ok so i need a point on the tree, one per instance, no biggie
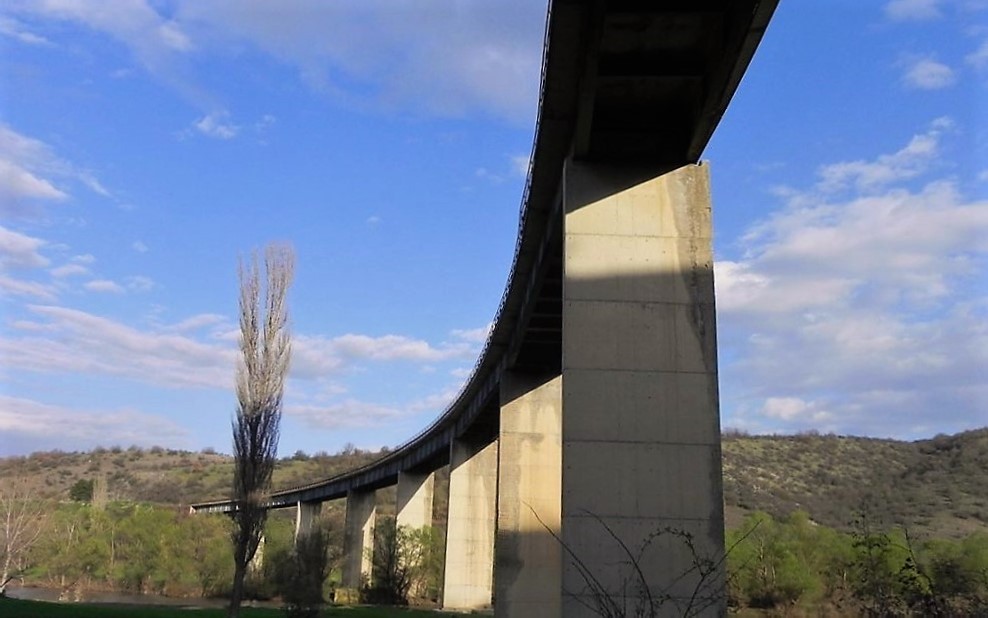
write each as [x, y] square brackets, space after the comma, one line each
[23, 517]
[265, 345]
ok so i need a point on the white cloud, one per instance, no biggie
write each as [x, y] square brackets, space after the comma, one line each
[913, 10]
[85, 258]
[139, 246]
[912, 160]
[217, 125]
[103, 285]
[25, 420]
[863, 314]
[20, 250]
[928, 74]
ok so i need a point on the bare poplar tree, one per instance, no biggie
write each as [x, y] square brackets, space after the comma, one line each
[265, 344]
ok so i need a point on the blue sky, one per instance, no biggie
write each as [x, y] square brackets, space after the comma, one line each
[146, 145]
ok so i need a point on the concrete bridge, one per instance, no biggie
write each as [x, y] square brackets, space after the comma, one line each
[591, 418]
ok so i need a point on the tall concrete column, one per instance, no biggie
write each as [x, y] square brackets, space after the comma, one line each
[470, 526]
[641, 427]
[529, 556]
[414, 499]
[358, 537]
[306, 515]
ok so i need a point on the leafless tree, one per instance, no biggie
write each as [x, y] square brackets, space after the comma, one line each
[265, 344]
[23, 516]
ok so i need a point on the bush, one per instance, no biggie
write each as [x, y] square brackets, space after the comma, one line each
[300, 573]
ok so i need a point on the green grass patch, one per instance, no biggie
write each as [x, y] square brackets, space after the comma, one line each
[17, 608]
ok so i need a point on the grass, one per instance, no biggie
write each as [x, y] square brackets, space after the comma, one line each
[17, 608]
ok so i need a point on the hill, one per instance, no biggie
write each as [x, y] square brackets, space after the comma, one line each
[935, 487]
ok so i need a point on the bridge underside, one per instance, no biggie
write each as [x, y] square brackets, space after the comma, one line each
[584, 453]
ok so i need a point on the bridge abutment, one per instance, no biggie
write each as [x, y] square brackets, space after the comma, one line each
[641, 458]
[469, 571]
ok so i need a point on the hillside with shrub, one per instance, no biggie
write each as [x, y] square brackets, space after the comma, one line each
[935, 487]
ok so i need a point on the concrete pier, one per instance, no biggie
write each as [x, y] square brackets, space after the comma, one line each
[470, 525]
[640, 428]
[306, 515]
[358, 537]
[528, 561]
[415, 492]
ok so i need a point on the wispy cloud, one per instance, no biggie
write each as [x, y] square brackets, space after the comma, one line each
[350, 413]
[910, 161]
[216, 125]
[83, 343]
[103, 285]
[913, 10]
[979, 57]
[928, 74]
[519, 165]
[20, 250]
[139, 283]
[32, 422]
[132, 22]
[69, 270]
[30, 173]
[392, 54]
[19, 32]
[29, 289]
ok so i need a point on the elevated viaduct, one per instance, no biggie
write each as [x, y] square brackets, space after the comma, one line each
[591, 418]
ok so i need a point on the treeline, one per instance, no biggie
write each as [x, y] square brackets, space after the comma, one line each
[794, 563]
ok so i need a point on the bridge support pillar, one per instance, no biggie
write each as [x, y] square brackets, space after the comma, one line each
[529, 556]
[358, 537]
[306, 514]
[641, 427]
[414, 500]
[470, 526]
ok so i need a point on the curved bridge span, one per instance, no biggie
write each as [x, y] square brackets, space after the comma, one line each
[592, 413]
